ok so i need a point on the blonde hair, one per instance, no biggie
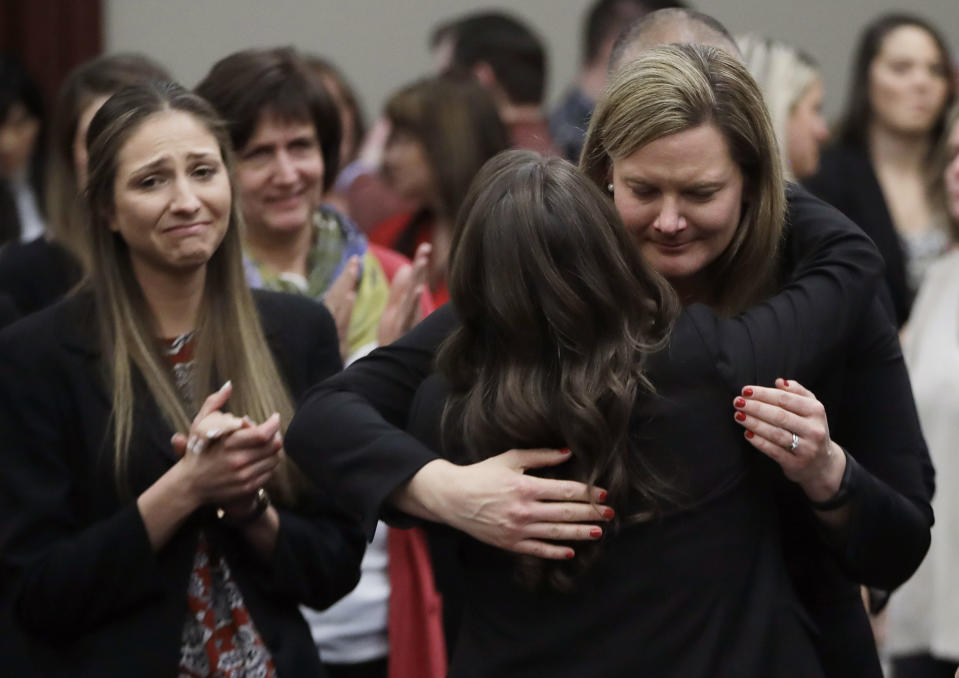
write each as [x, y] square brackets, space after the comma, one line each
[785, 75]
[671, 89]
[229, 341]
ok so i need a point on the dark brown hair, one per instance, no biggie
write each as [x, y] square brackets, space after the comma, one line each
[854, 124]
[344, 96]
[558, 313]
[255, 82]
[458, 125]
[510, 48]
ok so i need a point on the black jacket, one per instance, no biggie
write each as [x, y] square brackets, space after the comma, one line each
[87, 588]
[847, 181]
[826, 307]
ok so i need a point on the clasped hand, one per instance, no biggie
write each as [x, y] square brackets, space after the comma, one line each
[227, 459]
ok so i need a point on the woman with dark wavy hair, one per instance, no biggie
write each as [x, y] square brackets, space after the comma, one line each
[545, 354]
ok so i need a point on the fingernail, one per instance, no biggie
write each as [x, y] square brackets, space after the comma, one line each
[740, 416]
[249, 421]
[747, 391]
[603, 494]
[739, 402]
[750, 434]
[595, 532]
[608, 513]
[173, 439]
[213, 433]
[570, 555]
[226, 385]
[565, 450]
[786, 383]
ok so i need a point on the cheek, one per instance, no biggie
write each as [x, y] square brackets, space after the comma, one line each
[720, 218]
[636, 216]
[311, 169]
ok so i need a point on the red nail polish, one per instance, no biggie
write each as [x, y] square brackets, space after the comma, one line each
[739, 402]
[570, 555]
[565, 450]
[740, 416]
[603, 495]
[747, 391]
[595, 532]
[750, 434]
[786, 383]
[608, 513]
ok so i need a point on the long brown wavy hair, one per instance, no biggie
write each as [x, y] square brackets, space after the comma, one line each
[558, 313]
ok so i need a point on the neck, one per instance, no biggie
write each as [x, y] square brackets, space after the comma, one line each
[281, 251]
[592, 80]
[513, 114]
[907, 152]
[174, 297]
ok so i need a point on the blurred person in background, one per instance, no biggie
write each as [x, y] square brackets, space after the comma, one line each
[21, 154]
[37, 273]
[922, 635]
[442, 131]
[793, 89]
[509, 60]
[286, 129]
[605, 20]
[878, 170]
[358, 190]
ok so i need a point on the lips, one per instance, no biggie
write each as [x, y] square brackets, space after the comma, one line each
[187, 229]
[671, 247]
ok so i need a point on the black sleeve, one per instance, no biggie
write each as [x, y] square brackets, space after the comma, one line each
[317, 556]
[802, 330]
[319, 547]
[888, 532]
[347, 435]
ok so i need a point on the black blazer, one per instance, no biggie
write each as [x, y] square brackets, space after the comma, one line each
[375, 396]
[847, 181]
[94, 598]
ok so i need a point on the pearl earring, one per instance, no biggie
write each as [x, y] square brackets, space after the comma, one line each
[609, 187]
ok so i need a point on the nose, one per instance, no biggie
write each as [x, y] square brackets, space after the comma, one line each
[185, 199]
[285, 170]
[821, 130]
[670, 219]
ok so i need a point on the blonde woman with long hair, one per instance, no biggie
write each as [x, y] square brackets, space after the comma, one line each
[135, 553]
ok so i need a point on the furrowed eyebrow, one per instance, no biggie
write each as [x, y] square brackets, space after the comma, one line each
[150, 166]
[204, 155]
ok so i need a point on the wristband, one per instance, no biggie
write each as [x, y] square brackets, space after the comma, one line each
[260, 505]
[843, 494]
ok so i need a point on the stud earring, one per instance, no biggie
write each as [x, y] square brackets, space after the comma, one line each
[609, 187]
